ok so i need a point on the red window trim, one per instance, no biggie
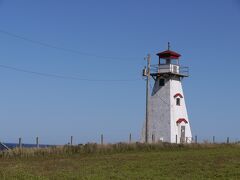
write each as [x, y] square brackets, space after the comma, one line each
[178, 95]
[181, 120]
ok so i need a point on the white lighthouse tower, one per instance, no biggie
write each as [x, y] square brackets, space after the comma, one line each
[166, 113]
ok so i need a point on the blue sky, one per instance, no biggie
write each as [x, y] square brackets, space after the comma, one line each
[111, 39]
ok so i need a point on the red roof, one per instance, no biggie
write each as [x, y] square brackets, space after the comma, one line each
[168, 54]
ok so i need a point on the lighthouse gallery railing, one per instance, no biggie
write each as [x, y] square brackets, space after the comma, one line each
[170, 68]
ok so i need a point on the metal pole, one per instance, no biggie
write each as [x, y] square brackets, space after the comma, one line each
[176, 139]
[147, 98]
[213, 139]
[227, 140]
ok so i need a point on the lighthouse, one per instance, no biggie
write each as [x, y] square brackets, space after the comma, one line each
[166, 112]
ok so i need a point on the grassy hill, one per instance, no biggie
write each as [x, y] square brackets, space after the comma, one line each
[122, 161]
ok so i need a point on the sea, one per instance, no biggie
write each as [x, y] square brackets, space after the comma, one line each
[14, 145]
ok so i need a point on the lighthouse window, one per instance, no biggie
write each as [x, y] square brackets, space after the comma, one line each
[161, 82]
[178, 101]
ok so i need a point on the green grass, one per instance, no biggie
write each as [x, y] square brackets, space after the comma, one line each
[124, 161]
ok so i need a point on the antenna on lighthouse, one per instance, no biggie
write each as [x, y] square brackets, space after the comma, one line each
[168, 45]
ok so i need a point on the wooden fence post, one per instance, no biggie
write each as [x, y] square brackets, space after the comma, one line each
[20, 142]
[130, 138]
[196, 139]
[71, 141]
[227, 140]
[101, 139]
[37, 142]
[176, 139]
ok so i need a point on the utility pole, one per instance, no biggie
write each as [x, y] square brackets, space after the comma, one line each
[147, 98]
